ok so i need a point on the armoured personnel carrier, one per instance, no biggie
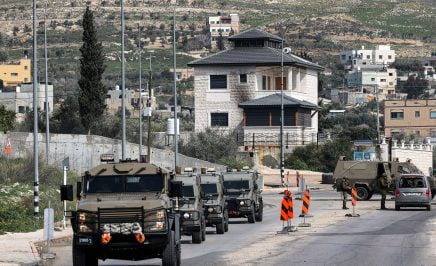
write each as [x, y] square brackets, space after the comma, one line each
[363, 175]
[124, 211]
[215, 206]
[191, 205]
[243, 194]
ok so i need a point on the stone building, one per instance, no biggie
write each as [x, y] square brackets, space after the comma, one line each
[239, 89]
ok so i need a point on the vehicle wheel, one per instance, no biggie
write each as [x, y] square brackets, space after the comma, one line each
[397, 208]
[251, 216]
[429, 208]
[171, 253]
[203, 231]
[226, 222]
[220, 227]
[83, 258]
[259, 214]
[196, 236]
[362, 193]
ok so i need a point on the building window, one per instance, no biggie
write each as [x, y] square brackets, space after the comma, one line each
[26, 79]
[397, 115]
[364, 63]
[243, 78]
[219, 119]
[213, 30]
[227, 30]
[343, 57]
[14, 74]
[432, 114]
[391, 83]
[380, 57]
[433, 134]
[389, 56]
[418, 132]
[25, 67]
[417, 114]
[368, 57]
[21, 109]
[218, 82]
[382, 80]
[372, 79]
[391, 74]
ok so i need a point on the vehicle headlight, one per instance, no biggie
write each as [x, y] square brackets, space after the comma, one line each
[191, 215]
[210, 209]
[241, 202]
[186, 215]
[248, 202]
[158, 226]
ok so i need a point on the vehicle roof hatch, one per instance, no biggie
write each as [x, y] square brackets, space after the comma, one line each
[123, 168]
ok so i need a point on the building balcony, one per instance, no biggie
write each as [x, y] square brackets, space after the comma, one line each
[257, 136]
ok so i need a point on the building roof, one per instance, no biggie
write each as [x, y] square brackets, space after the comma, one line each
[259, 56]
[275, 100]
[252, 34]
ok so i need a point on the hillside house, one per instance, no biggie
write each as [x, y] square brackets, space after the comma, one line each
[239, 90]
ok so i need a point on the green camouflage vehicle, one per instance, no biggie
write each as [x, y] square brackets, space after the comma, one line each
[124, 211]
[215, 206]
[363, 175]
[243, 194]
[191, 206]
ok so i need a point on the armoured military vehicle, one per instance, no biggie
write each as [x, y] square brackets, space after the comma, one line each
[191, 205]
[243, 194]
[124, 211]
[215, 206]
[363, 175]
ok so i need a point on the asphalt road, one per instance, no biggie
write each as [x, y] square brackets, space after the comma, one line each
[376, 238]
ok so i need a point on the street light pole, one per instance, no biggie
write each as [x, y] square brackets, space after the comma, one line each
[149, 113]
[175, 89]
[378, 114]
[140, 92]
[282, 151]
[35, 118]
[47, 119]
[123, 97]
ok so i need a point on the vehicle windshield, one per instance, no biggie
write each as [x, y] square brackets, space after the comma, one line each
[412, 182]
[119, 184]
[209, 189]
[188, 191]
[236, 184]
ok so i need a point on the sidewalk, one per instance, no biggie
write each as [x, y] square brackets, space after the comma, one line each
[18, 248]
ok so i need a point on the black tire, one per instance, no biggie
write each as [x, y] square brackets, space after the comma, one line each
[251, 216]
[196, 237]
[362, 193]
[83, 258]
[226, 222]
[171, 252]
[259, 214]
[203, 231]
[220, 227]
[397, 207]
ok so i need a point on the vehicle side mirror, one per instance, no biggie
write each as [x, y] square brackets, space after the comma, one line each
[67, 192]
[78, 190]
[176, 189]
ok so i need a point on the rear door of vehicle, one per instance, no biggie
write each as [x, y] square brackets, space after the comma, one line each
[412, 189]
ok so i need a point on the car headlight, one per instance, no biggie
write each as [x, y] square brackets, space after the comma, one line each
[186, 215]
[210, 209]
[191, 215]
[242, 203]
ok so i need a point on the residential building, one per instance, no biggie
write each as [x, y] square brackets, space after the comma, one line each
[16, 73]
[224, 25]
[239, 89]
[132, 101]
[20, 99]
[380, 55]
[385, 79]
[411, 117]
[183, 73]
[351, 97]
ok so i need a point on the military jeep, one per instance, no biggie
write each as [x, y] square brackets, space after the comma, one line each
[215, 205]
[243, 194]
[191, 206]
[124, 212]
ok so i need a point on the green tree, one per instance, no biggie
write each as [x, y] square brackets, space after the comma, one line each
[220, 42]
[7, 119]
[3, 56]
[66, 119]
[415, 87]
[92, 91]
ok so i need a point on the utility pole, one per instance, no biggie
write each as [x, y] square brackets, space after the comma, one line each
[35, 118]
[378, 112]
[47, 119]
[123, 97]
[140, 93]
[149, 113]
[175, 89]
[282, 151]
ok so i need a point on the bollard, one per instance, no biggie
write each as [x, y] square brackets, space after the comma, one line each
[353, 203]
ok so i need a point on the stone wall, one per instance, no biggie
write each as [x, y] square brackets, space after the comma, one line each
[84, 151]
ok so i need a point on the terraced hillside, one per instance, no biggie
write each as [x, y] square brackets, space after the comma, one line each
[319, 27]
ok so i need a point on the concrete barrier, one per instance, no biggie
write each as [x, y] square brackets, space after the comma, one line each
[84, 151]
